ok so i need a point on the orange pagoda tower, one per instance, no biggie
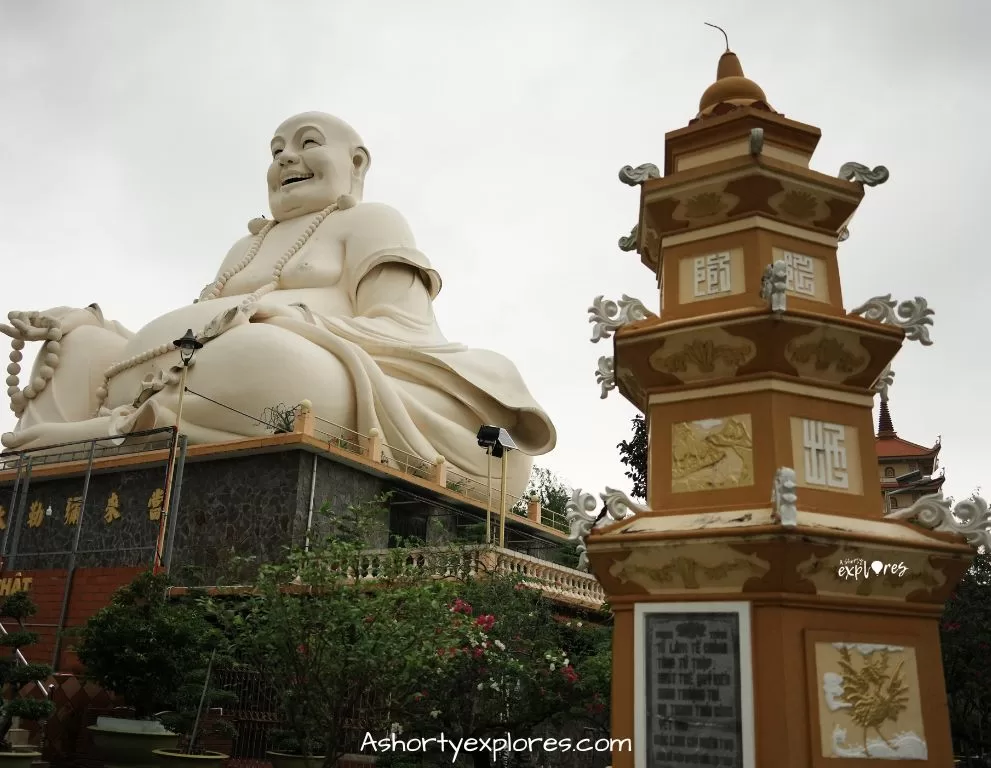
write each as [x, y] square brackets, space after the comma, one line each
[769, 613]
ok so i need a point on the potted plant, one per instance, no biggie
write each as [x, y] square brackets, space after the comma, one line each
[141, 647]
[15, 675]
[192, 724]
[289, 749]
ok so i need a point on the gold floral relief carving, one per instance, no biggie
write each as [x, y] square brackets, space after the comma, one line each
[870, 703]
[828, 354]
[708, 354]
[798, 204]
[711, 454]
[704, 205]
[704, 355]
[688, 570]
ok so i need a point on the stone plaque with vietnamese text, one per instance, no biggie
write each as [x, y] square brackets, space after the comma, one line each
[694, 707]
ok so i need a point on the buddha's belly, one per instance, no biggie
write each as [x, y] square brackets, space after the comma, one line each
[126, 386]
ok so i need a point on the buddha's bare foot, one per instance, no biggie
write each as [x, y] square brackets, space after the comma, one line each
[114, 427]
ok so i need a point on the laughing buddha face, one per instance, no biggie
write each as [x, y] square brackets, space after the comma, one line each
[316, 158]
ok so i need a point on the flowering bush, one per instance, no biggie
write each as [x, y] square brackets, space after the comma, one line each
[511, 666]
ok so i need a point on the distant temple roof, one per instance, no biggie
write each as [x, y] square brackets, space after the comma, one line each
[889, 446]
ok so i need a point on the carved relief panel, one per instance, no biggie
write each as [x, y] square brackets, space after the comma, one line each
[826, 456]
[869, 701]
[806, 275]
[712, 454]
[710, 276]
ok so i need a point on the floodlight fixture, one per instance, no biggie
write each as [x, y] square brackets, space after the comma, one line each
[497, 443]
[495, 440]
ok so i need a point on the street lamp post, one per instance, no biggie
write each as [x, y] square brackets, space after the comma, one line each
[497, 443]
[187, 347]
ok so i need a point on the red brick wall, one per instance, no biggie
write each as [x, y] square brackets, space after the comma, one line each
[91, 591]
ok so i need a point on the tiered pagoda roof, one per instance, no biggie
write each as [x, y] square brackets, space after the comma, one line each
[892, 449]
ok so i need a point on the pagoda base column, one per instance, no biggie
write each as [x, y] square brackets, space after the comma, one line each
[765, 646]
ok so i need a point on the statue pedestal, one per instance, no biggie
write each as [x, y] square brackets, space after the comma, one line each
[742, 642]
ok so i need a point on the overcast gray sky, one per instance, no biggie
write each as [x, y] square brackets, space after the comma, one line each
[134, 143]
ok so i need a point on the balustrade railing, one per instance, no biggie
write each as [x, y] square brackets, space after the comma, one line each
[341, 437]
[556, 581]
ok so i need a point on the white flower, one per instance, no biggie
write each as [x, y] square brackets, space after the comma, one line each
[579, 625]
[552, 667]
[566, 662]
[396, 728]
[500, 645]
[434, 713]
[481, 686]
[494, 686]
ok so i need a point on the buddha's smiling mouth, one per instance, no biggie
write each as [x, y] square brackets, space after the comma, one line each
[295, 178]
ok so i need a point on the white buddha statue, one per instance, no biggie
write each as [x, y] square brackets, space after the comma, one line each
[329, 301]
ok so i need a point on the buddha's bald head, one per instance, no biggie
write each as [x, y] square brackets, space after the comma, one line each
[316, 158]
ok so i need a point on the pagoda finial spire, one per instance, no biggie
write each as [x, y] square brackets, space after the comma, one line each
[725, 36]
[731, 86]
[885, 427]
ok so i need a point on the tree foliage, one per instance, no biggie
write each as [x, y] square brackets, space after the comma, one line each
[554, 494]
[965, 639]
[633, 454]
[145, 646]
[15, 675]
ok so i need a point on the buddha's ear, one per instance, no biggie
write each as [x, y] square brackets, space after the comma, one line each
[361, 161]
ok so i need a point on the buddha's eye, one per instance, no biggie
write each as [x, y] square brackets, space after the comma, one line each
[314, 142]
[276, 152]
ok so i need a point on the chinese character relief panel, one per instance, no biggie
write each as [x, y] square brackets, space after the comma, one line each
[807, 277]
[711, 276]
[826, 456]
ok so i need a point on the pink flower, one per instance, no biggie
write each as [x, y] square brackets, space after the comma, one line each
[569, 674]
[485, 622]
[477, 653]
[460, 606]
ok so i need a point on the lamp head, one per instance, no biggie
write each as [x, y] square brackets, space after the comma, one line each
[187, 345]
[495, 440]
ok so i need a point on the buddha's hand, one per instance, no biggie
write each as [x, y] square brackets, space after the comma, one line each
[50, 325]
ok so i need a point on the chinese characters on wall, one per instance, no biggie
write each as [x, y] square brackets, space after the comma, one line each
[801, 276]
[712, 274]
[111, 507]
[824, 447]
[694, 706]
